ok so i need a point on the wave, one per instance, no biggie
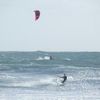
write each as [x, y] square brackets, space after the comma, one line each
[68, 59]
[23, 94]
[31, 81]
[44, 58]
[35, 82]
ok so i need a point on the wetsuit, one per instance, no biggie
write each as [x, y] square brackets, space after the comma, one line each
[65, 78]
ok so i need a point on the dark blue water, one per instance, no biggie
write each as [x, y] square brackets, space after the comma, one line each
[28, 73]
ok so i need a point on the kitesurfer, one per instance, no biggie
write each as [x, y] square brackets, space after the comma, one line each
[50, 57]
[64, 79]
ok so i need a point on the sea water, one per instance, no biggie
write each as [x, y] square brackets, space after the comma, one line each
[29, 76]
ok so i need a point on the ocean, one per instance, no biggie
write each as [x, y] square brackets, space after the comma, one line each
[34, 76]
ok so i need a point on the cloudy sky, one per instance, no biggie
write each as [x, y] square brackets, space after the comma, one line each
[64, 25]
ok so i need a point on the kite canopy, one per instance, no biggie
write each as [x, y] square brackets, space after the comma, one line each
[37, 14]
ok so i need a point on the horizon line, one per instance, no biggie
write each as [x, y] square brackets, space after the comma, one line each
[47, 51]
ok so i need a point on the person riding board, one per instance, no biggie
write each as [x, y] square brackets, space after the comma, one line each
[64, 78]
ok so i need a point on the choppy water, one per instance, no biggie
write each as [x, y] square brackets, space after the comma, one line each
[32, 76]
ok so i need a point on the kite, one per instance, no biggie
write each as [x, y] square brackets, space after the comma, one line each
[37, 14]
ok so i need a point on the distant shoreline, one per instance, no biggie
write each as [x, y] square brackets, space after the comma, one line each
[53, 51]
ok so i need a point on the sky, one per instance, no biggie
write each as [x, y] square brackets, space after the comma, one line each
[64, 25]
